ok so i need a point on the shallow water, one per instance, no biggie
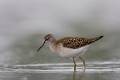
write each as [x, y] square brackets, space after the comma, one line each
[61, 71]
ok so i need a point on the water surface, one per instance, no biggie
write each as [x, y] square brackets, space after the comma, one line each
[61, 71]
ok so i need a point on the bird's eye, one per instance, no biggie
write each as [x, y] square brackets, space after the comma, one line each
[47, 38]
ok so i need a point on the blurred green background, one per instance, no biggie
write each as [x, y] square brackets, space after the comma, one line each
[23, 24]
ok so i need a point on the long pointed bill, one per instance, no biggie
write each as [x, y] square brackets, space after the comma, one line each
[41, 46]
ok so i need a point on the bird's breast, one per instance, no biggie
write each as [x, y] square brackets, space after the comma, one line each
[54, 48]
[67, 52]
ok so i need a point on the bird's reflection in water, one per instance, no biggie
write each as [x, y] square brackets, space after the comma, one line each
[74, 75]
[81, 76]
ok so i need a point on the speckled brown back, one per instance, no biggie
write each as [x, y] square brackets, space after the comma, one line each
[76, 42]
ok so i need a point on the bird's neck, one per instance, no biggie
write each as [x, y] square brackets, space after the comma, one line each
[52, 41]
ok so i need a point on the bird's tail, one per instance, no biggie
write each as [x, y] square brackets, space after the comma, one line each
[91, 40]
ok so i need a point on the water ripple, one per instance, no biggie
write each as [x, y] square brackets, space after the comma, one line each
[96, 67]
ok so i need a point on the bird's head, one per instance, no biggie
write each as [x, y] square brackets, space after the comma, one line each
[48, 38]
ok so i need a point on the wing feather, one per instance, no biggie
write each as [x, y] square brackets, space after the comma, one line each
[76, 42]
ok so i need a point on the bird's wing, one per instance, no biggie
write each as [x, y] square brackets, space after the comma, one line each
[76, 42]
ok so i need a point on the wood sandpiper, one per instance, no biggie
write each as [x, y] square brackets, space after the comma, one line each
[69, 47]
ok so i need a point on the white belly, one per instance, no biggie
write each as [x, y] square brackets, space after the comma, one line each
[69, 52]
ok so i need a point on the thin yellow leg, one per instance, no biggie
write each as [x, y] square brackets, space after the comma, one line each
[74, 64]
[83, 63]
